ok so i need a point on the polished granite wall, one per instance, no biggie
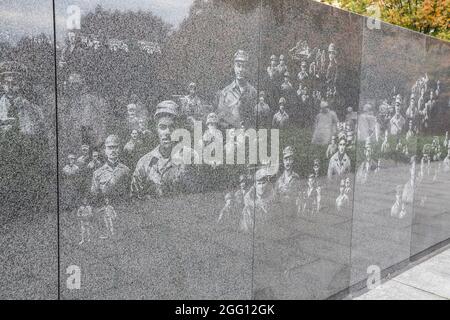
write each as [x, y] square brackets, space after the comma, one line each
[309, 224]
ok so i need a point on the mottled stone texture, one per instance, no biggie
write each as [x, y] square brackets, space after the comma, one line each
[360, 182]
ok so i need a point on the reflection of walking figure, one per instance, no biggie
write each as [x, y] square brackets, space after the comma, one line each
[109, 214]
[308, 202]
[84, 212]
[342, 201]
[398, 210]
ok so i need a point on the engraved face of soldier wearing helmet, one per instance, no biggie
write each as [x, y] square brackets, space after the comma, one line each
[112, 152]
[10, 86]
[240, 70]
[262, 187]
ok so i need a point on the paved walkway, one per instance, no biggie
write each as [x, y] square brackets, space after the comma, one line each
[428, 280]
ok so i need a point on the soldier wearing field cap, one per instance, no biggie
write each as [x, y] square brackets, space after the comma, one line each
[281, 118]
[263, 112]
[340, 163]
[162, 172]
[236, 101]
[272, 68]
[258, 202]
[288, 184]
[112, 179]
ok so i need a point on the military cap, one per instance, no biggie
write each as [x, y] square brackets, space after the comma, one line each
[288, 152]
[166, 107]
[261, 174]
[367, 107]
[241, 55]
[311, 176]
[273, 57]
[398, 98]
[131, 106]
[212, 118]
[281, 57]
[84, 146]
[323, 104]
[316, 162]
[112, 140]
[331, 48]
[71, 156]
[342, 136]
[282, 100]
[12, 67]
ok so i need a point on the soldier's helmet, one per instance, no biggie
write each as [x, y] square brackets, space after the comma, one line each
[282, 101]
[241, 55]
[71, 156]
[166, 108]
[367, 107]
[112, 140]
[288, 152]
[331, 48]
[273, 57]
[323, 104]
[398, 99]
[281, 57]
[286, 74]
[12, 68]
[212, 118]
[262, 174]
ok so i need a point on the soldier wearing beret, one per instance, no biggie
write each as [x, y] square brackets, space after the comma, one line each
[236, 100]
[158, 173]
[112, 179]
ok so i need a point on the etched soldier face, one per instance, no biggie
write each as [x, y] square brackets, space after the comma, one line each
[112, 152]
[261, 187]
[165, 127]
[10, 85]
[368, 153]
[347, 183]
[341, 146]
[131, 110]
[95, 155]
[85, 149]
[261, 99]
[288, 162]
[240, 70]
[397, 108]
[192, 90]
[134, 134]
[342, 187]
[310, 182]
